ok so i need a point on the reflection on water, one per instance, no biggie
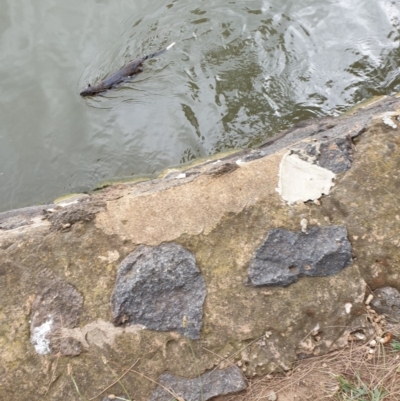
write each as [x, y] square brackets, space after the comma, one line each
[240, 72]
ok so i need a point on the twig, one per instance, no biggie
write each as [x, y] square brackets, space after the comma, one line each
[116, 381]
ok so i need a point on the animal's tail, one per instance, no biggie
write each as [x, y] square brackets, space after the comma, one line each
[159, 52]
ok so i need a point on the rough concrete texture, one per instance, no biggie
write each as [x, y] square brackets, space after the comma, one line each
[160, 288]
[202, 388]
[387, 301]
[285, 256]
[221, 214]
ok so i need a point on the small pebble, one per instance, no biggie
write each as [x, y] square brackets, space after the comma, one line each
[359, 336]
[303, 225]
[369, 299]
[315, 330]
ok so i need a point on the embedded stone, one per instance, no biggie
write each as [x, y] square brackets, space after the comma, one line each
[386, 301]
[161, 288]
[285, 255]
[335, 154]
[211, 384]
[57, 307]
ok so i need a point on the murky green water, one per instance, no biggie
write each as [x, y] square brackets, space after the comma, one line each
[240, 72]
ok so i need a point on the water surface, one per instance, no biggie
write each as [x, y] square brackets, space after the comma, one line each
[240, 72]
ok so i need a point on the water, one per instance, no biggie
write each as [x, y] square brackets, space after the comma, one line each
[240, 72]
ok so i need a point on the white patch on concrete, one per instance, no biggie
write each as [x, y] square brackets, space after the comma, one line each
[112, 256]
[38, 337]
[99, 333]
[300, 181]
[348, 307]
[388, 121]
[181, 175]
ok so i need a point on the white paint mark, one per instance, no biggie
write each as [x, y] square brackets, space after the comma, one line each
[348, 307]
[171, 45]
[38, 337]
[300, 181]
[388, 121]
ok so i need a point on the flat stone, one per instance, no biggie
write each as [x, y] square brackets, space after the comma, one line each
[211, 384]
[23, 217]
[161, 288]
[57, 307]
[285, 255]
[386, 301]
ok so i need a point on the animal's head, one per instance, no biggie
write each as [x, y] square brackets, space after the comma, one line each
[91, 91]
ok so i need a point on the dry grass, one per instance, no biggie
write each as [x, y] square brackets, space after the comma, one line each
[357, 373]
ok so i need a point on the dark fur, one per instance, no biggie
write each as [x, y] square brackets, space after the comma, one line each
[124, 74]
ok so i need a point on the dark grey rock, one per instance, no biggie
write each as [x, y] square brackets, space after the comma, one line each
[58, 306]
[285, 255]
[161, 288]
[386, 301]
[335, 154]
[208, 385]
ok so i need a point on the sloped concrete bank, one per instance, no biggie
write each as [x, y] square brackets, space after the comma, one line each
[224, 270]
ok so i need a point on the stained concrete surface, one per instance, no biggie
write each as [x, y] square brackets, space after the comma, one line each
[221, 214]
